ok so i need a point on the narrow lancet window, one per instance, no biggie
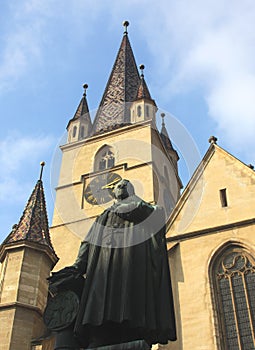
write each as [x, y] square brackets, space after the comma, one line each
[74, 130]
[82, 132]
[139, 111]
[223, 197]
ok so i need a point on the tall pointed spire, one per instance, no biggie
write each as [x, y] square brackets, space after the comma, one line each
[120, 90]
[33, 225]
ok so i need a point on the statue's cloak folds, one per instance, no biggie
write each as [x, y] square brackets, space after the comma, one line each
[124, 258]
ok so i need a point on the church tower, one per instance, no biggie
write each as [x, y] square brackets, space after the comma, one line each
[27, 257]
[122, 142]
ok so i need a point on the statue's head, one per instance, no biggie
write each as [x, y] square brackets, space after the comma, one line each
[123, 189]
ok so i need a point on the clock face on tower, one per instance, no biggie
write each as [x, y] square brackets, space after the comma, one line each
[100, 189]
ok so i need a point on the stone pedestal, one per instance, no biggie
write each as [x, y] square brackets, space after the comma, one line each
[65, 340]
[133, 345]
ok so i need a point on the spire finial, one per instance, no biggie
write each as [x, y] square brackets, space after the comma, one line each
[125, 24]
[85, 86]
[213, 140]
[163, 119]
[142, 68]
[42, 165]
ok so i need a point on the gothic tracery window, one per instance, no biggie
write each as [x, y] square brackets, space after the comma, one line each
[104, 158]
[233, 275]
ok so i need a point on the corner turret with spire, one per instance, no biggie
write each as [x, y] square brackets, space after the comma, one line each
[27, 257]
[144, 107]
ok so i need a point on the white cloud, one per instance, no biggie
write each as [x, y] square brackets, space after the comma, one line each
[18, 157]
[205, 45]
[208, 46]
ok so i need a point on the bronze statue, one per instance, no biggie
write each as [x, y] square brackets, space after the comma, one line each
[126, 295]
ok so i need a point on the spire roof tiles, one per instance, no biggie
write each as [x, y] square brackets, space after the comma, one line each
[121, 89]
[143, 91]
[33, 225]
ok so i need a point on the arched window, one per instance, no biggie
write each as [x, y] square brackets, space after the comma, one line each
[233, 283]
[104, 158]
[74, 130]
[139, 111]
[147, 111]
[82, 132]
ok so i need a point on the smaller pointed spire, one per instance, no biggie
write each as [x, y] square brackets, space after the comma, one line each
[82, 114]
[143, 91]
[33, 225]
[165, 137]
[83, 109]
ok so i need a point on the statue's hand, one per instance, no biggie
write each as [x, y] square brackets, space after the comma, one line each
[65, 278]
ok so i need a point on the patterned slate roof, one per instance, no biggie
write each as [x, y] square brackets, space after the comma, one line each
[120, 90]
[33, 225]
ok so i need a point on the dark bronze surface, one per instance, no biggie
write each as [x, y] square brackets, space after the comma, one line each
[126, 295]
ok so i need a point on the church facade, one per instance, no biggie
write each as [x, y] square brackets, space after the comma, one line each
[210, 227]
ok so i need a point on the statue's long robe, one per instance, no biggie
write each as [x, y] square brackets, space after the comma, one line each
[124, 258]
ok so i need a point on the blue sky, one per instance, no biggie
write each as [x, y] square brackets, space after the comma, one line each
[199, 62]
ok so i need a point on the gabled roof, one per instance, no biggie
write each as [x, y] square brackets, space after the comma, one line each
[199, 206]
[33, 225]
[121, 89]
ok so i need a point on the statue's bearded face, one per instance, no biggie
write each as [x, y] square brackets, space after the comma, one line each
[123, 189]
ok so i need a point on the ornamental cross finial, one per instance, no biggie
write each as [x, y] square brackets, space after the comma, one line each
[142, 68]
[163, 118]
[125, 24]
[85, 86]
[41, 172]
[213, 140]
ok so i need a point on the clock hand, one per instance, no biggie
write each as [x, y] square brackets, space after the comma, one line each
[110, 185]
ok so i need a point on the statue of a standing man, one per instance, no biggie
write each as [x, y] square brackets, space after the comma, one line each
[127, 295]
